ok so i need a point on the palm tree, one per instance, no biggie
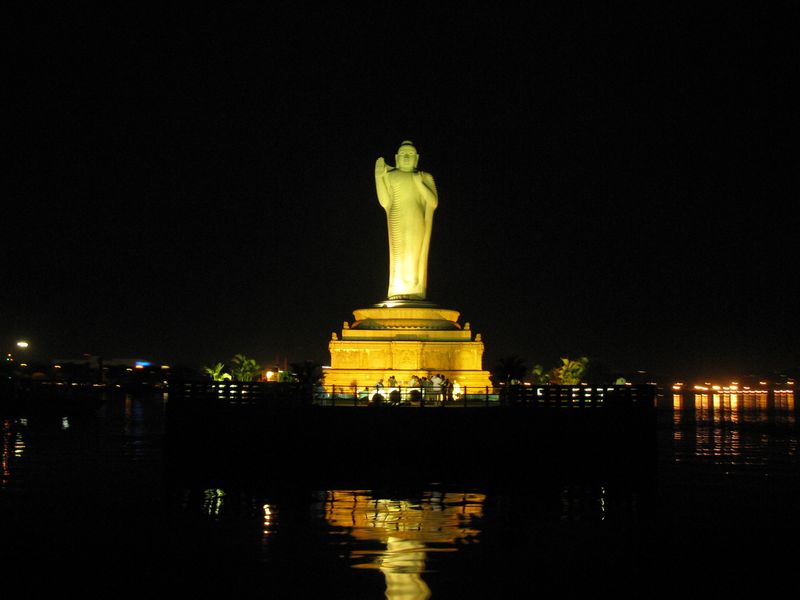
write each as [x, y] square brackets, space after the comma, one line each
[539, 375]
[509, 370]
[569, 372]
[243, 368]
[216, 372]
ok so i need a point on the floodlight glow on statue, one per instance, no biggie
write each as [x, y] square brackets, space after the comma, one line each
[405, 336]
[409, 198]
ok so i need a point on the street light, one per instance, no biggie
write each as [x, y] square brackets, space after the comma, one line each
[21, 345]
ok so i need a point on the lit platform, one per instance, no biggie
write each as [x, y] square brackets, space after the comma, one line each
[405, 338]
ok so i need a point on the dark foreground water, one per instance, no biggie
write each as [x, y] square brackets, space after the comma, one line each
[89, 504]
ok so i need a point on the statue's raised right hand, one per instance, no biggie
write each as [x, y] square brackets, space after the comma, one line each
[380, 167]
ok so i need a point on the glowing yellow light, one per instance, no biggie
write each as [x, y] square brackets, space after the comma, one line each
[19, 442]
[22, 344]
[715, 387]
[213, 501]
[56, 366]
[268, 518]
[23, 364]
[270, 375]
[139, 367]
[165, 367]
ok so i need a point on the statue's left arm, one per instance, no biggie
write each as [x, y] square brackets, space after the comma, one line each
[427, 189]
[430, 197]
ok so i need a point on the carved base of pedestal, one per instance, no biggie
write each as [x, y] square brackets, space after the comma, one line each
[403, 341]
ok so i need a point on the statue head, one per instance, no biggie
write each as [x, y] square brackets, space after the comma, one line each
[406, 158]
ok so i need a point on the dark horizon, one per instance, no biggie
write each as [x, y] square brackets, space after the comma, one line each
[189, 186]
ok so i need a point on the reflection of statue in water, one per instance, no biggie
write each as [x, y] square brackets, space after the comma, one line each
[409, 198]
[401, 565]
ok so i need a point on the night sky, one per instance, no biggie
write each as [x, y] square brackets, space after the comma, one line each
[187, 184]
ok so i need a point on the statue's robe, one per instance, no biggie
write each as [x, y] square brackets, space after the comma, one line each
[409, 237]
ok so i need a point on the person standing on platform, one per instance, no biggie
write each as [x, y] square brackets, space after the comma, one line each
[436, 387]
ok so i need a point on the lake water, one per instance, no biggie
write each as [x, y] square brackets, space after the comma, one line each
[89, 504]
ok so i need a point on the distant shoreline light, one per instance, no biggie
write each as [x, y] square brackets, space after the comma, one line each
[735, 387]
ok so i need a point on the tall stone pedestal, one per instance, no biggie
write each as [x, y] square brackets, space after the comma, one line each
[403, 339]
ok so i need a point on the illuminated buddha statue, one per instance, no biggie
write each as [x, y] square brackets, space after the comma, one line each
[409, 198]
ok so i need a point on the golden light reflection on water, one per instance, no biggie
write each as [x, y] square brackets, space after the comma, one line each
[732, 406]
[784, 400]
[213, 499]
[13, 447]
[719, 423]
[406, 531]
[269, 520]
[6, 456]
